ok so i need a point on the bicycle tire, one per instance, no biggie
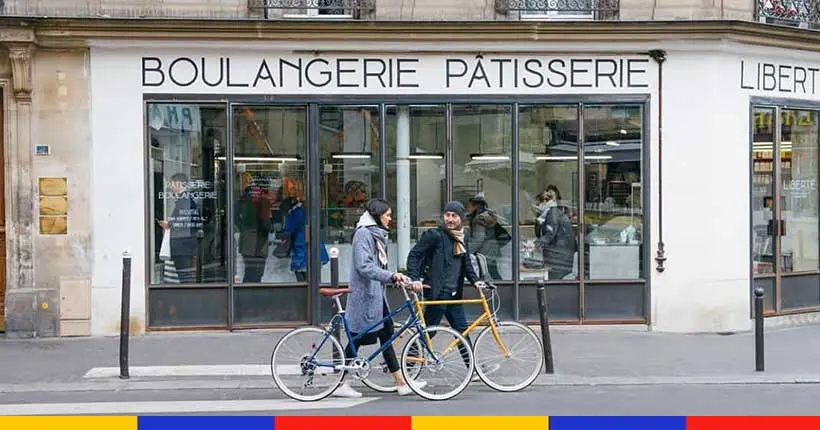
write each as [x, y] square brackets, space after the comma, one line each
[487, 333]
[412, 382]
[277, 378]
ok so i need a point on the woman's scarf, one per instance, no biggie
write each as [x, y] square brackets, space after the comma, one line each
[378, 233]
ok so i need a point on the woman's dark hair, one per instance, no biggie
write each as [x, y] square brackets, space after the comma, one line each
[554, 189]
[376, 208]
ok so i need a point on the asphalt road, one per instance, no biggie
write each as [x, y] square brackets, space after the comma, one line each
[767, 399]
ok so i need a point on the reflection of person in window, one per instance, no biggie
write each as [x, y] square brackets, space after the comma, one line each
[555, 236]
[183, 225]
[482, 235]
[254, 222]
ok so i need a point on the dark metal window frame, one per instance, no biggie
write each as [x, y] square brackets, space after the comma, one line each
[777, 104]
[313, 102]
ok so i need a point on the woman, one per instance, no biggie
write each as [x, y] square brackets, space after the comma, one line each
[295, 222]
[366, 303]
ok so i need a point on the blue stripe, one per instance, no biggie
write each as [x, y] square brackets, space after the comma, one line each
[616, 423]
[204, 423]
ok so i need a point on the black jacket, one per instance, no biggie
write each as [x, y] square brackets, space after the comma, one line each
[427, 262]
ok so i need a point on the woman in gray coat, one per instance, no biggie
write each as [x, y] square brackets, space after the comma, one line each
[366, 303]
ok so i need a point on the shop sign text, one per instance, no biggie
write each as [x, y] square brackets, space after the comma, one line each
[404, 72]
[777, 77]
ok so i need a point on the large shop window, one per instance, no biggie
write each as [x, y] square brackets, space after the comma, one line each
[187, 195]
[785, 244]
[231, 210]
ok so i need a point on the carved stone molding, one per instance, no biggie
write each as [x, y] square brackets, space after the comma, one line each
[16, 35]
[20, 57]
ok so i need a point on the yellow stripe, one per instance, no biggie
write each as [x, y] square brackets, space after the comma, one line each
[480, 423]
[68, 423]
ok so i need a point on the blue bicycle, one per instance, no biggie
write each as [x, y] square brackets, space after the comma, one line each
[308, 363]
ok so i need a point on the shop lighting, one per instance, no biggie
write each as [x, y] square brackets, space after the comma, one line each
[489, 157]
[274, 158]
[571, 157]
[613, 143]
[425, 156]
[351, 155]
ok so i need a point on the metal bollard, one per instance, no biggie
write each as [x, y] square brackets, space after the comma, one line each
[125, 311]
[200, 255]
[759, 351]
[334, 282]
[545, 327]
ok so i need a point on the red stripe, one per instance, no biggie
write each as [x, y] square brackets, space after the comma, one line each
[752, 423]
[341, 423]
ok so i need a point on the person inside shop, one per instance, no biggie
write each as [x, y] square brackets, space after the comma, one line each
[367, 302]
[486, 236]
[183, 225]
[294, 232]
[254, 221]
[554, 236]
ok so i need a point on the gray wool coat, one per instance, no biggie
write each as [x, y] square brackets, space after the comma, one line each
[366, 300]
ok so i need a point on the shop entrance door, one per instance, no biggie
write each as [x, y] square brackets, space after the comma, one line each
[784, 205]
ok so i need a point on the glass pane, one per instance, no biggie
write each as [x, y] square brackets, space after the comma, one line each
[548, 192]
[482, 176]
[349, 146]
[415, 174]
[262, 305]
[798, 159]
[613, 195]
[269, 195]
[180, 307]
[187, 187]
[762, 191]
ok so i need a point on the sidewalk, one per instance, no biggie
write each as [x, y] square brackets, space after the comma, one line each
[592, 356]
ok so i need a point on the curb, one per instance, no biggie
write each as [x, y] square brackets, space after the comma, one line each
[145, 384]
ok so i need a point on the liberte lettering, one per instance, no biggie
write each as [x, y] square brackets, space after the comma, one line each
[784, 78]
[376, 73]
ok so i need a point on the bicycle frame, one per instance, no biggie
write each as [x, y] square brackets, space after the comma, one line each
[415, 320]
[487, 314]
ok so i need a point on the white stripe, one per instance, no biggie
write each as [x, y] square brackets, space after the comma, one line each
[135, 408]
[204, 370]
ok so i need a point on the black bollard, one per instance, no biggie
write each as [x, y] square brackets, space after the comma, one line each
[125, 311]
[759, 351]
[334, 282]
[545, 327]
[200, 255]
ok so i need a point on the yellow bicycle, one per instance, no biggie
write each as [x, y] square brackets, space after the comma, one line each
[508, 355]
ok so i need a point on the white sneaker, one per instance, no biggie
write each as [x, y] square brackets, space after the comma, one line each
[486, 369]
[405, 389]
[345, 390]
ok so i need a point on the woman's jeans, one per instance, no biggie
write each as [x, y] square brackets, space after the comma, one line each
[383, 336]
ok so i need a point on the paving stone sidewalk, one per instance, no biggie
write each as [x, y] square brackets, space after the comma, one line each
[613, 355]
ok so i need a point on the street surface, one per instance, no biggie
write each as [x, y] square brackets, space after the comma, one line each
[599, 371]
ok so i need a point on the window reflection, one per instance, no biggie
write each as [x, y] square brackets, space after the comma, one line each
[613, 212]
[548, 192]
[270, 204]
[415, 174]
[187, 188]
[482, 144]
[798, 158]
[763, 192]
[349, 157]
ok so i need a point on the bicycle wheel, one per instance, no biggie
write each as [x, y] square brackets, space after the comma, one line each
[447, 371]
[516, 371]
[380, 379]
[302, 364]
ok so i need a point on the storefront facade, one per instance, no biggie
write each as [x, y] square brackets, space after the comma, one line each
[654, 150]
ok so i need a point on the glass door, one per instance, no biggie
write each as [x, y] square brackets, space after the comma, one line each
[270, 215]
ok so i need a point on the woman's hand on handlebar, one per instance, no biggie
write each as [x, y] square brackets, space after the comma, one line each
[401, 279]
[416, 286]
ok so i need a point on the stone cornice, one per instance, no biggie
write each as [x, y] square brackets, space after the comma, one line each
[62, 32]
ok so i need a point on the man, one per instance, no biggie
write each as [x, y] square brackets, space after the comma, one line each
[441, 259]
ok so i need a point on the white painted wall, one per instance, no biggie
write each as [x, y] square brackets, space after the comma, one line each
[705, 287]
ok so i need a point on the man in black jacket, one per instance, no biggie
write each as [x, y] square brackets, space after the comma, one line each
[441, 260]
